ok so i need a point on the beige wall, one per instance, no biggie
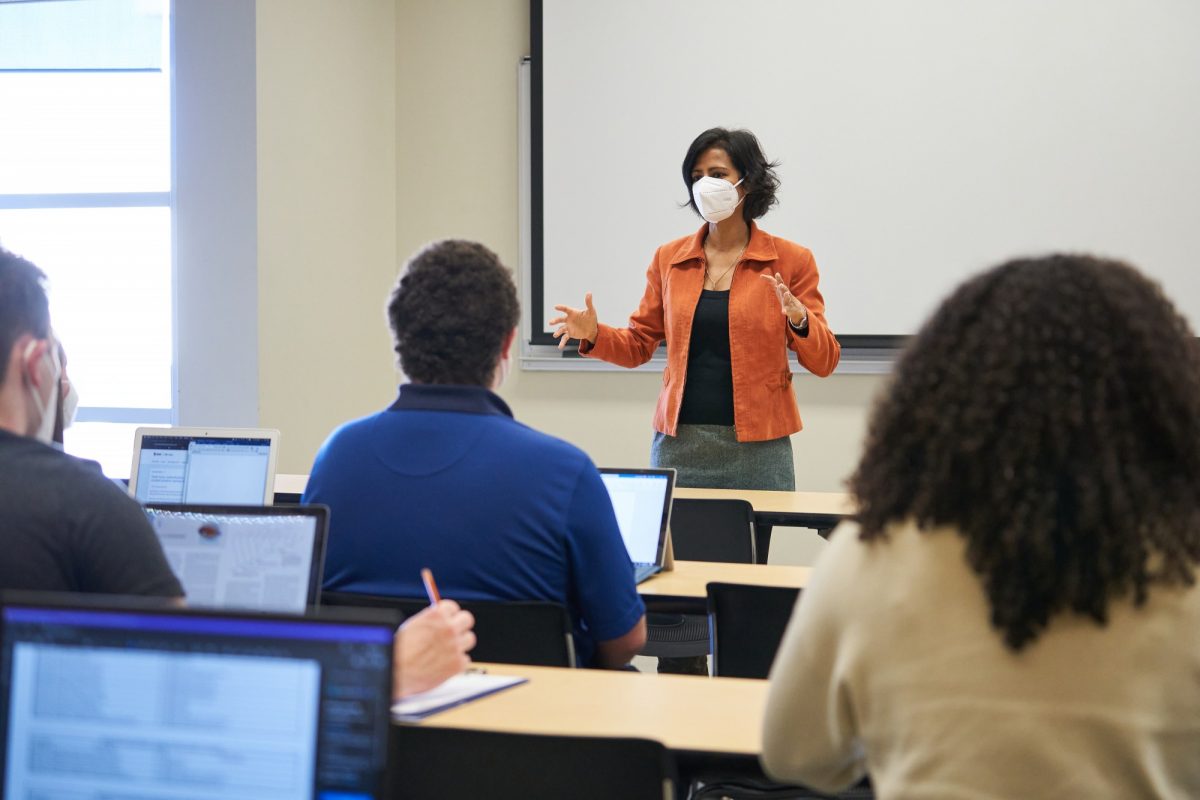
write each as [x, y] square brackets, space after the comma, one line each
[326, 214]
[384, 143]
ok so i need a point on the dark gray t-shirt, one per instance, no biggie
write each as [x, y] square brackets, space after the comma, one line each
[66, 527]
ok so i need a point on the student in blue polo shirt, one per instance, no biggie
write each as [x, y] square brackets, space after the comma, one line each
[445, 478]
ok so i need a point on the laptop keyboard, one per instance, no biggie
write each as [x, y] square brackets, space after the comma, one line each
[643, 571]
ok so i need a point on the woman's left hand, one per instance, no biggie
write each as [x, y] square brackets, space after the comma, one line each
[796, 313]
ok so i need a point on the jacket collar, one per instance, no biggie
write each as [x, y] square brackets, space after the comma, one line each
[761, 246]
[444, 397]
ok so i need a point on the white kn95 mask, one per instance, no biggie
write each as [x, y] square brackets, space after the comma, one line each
[716, 198]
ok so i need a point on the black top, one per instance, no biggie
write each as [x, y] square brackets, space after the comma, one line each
[708, 391]
[65, 527]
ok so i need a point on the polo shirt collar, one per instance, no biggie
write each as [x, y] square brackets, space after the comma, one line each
[445, 397]
[760, 247]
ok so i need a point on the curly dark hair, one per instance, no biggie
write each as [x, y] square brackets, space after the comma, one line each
[23, 304]
[450, 312]
[758, 174]
[1050, 412]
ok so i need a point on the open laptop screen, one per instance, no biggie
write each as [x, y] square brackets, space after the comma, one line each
[104, 703]
[192, 466]
[641, 499]
[266, 558]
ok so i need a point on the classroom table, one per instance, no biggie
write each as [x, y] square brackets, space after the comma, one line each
[689, 714]
[711, 726]
[683, 590]
[288, 488]
[819, 510]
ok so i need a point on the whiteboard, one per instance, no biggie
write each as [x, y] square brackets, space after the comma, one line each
[920, 141]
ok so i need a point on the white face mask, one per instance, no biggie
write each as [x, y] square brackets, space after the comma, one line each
[45, 408]
[70, 404]
[716, 198]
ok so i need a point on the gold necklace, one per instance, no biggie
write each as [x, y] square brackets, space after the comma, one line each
[717, 282]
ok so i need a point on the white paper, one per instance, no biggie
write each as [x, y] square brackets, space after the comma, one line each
[458, 690]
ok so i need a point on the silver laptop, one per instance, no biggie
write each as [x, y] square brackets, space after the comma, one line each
[641, 499]
[260, 558]
[233, 466]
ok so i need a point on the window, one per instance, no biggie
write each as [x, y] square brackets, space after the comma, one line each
[86, 194]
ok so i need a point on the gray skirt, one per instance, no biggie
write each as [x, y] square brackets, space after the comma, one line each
[711, 457]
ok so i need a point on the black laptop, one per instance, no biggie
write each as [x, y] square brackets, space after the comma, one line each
[105, 699]
[263, 558]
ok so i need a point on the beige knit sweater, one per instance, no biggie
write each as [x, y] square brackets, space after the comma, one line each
[890, 666]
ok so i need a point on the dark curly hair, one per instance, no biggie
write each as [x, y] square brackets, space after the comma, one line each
[23, 304]
[1050, 412]
[758, 174]
[450, 312]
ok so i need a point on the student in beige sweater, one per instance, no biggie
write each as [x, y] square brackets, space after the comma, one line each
[1015, 612]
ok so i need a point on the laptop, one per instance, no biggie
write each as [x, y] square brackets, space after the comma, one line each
[265, 558]
[641, 499]
[102, 699]
[204, 465]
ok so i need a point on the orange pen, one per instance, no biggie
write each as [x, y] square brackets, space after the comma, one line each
[430, 586]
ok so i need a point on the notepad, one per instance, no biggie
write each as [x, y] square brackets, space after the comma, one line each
[455, 692]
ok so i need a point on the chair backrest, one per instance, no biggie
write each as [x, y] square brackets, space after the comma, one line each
[506, 632]
[746, 624]
[713, 530]
[454, 764]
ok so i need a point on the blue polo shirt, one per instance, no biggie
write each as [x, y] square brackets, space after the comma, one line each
[447, 479]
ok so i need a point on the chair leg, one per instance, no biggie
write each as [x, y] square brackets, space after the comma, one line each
[762, 542]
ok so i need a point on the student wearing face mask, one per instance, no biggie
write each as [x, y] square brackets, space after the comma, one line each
[731, 300]
[69, 400]
[445, 478]
[63, 525]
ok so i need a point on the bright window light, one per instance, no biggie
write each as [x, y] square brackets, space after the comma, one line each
[109, 275]
[86, 193]
[85, 132]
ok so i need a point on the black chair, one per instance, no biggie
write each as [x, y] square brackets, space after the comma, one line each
[426, 763]
[747, 624]
[701, 530]
[507, 632]
[713, 530]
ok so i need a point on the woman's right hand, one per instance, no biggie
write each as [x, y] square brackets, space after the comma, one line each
[576, 323]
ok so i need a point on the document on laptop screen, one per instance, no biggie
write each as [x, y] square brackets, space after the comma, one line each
[239, 561]
[638, 500]
[177, 469]
[226, 472]
[94, 723]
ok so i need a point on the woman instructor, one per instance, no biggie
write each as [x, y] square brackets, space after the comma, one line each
[731, 300]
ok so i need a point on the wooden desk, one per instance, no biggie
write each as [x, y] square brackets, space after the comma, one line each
[819, 510]
[717, 716]
[292, 486]
[689, 579]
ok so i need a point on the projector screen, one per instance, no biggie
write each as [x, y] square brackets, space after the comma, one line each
[919, 141]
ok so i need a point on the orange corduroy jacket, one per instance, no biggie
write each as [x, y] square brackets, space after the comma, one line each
[764, 404]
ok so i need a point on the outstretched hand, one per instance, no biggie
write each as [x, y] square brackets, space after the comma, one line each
[795, 311]
[576, 323]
